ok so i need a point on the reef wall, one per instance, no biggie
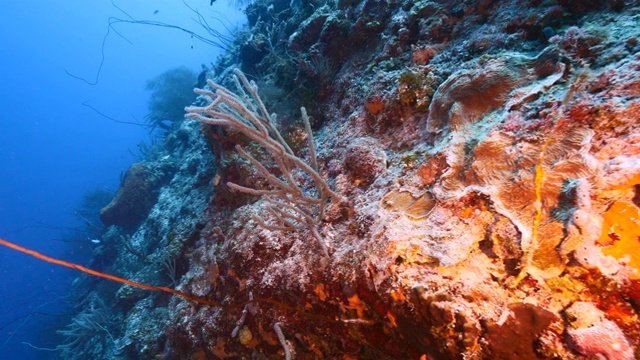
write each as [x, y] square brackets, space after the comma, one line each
[485, 162]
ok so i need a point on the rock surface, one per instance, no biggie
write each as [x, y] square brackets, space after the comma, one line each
[488, 171]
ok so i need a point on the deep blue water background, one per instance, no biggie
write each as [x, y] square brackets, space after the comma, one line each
[53, 150]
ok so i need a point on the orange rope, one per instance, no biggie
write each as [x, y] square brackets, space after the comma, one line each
[162, 288]
[114, 278]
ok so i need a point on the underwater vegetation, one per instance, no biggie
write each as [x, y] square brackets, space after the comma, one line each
[442, 180]
[170, 91]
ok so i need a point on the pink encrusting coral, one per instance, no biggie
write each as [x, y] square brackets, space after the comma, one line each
[605, 339]
[592, 334]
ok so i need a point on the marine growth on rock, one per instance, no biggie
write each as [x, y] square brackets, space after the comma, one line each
[470, 190]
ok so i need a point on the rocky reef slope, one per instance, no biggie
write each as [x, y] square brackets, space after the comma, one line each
[484, 159]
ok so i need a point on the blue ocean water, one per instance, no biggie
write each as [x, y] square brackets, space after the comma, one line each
[54, 150]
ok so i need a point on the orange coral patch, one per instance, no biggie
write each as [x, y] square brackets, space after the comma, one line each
[322, 295]
[374, 105]
[398, 296]
[635, 179]
[392, 319]
[356, 304]
[621, 233]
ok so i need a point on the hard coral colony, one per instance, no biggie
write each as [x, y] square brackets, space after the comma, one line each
[470, 190]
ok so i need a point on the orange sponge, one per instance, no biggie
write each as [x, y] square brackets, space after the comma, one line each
[621, 233]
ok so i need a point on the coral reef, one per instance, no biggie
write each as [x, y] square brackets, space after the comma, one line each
[473, 178]
[469, 95]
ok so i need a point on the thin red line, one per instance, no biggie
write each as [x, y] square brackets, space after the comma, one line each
[112, 277]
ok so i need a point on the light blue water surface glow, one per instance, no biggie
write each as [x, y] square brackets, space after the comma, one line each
[53, 149]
